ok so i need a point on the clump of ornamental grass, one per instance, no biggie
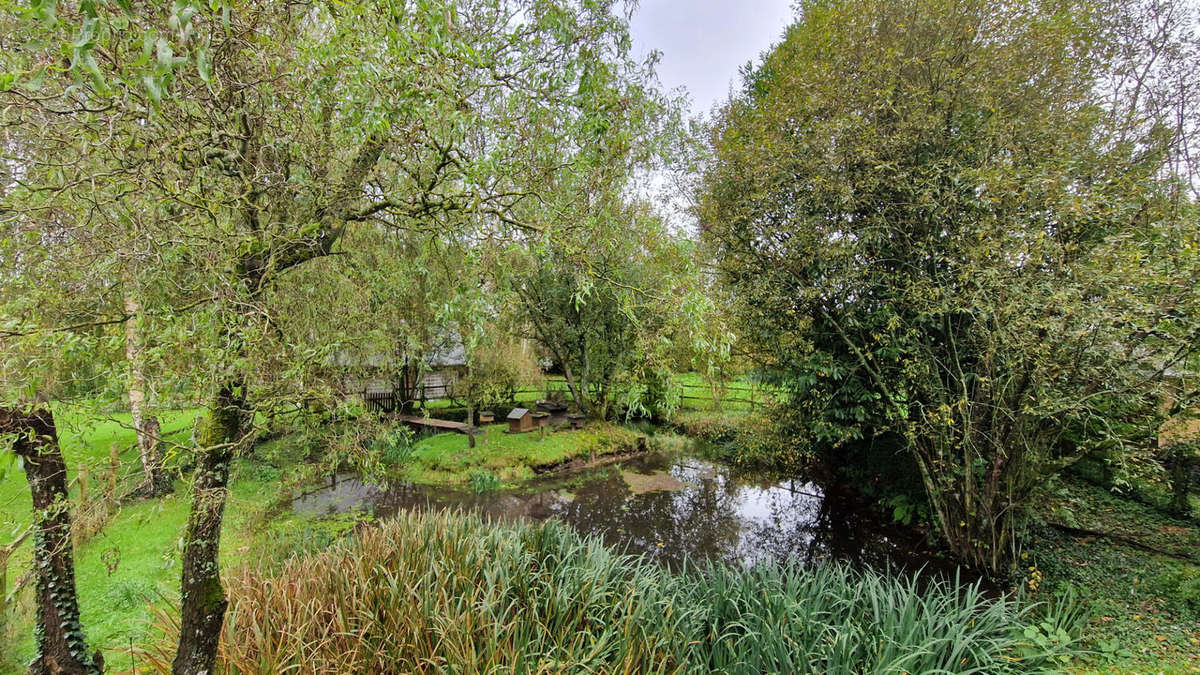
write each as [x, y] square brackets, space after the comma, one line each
[433, 592]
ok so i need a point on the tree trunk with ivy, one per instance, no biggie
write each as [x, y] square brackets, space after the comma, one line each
[61, 646]
[203, 600]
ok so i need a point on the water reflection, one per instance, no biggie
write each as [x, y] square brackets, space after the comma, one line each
[714, 514]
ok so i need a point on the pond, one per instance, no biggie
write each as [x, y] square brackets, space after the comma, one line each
[671, 507]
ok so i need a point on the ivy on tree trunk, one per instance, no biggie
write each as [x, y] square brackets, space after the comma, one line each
[60, 642]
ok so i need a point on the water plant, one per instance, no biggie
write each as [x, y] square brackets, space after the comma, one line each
[484, 481]
[394, 446]
[427, 592]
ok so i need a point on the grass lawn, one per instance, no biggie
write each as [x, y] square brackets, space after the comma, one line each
[741, 394]
[86, 439]
[447, 459]
[135, 558]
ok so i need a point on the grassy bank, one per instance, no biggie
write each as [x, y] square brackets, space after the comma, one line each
[87, 439]
[427, 592]
[134, 556]
[448, 458]
[1141, 585]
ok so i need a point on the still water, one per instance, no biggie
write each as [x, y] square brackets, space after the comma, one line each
[670, 507]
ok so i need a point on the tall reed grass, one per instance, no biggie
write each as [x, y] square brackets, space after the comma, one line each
[450, 593]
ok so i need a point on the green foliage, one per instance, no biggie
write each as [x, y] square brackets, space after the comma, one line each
[394, 446]
[1137, 600]
[496, 374]
[656, 397]
[253, 471]
[959, 244]
[584, 607]
[483, 481]
[448, 458]
[287, 538]
[608, 315]
[1183, 586]
[288, 449]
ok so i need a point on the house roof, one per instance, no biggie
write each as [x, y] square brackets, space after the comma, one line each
[447, 351]
[518, 413]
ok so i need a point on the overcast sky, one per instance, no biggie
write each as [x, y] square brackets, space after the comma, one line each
[704, 42]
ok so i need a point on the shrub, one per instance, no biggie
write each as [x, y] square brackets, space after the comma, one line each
[1183, 586]
[394, 446]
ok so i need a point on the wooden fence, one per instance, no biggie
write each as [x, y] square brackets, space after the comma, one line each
[390, 401]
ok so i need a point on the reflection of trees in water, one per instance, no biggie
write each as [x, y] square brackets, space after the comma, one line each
[715, 516]
[695, 522]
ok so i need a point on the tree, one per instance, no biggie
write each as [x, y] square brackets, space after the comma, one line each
[604, 304]
[262, 133]
[61, 647]
[966, 226]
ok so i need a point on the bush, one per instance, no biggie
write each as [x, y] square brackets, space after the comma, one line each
[427, 592]
[1183, 586]
[496, 375]
[760, 441]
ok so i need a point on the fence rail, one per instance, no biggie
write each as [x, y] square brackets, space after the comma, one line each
[391, 401]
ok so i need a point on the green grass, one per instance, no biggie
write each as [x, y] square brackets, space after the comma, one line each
[86, 439]
[447, 458]
[135, 557]
[740, 395]
[432, 592]
[133, 560]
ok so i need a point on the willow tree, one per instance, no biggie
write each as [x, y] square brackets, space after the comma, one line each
[607, 304]
[968, 226]
[263, 132]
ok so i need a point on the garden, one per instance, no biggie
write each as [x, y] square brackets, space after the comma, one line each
[354, 337]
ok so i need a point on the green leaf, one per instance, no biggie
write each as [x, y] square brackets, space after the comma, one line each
[165, 54]
[203, 65]
[35, 83]
[153, 88]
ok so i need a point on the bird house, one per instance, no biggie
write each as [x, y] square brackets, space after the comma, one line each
[520, 420]
[556, 410]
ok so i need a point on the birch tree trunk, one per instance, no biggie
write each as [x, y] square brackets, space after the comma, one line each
[155, 481]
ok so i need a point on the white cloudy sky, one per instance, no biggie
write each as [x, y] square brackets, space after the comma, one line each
[704, 42]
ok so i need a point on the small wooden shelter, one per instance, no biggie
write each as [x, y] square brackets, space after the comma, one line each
[556, 410]
[520, 420]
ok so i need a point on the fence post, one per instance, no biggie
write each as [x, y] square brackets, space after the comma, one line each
[114, 469]
[83, 484]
